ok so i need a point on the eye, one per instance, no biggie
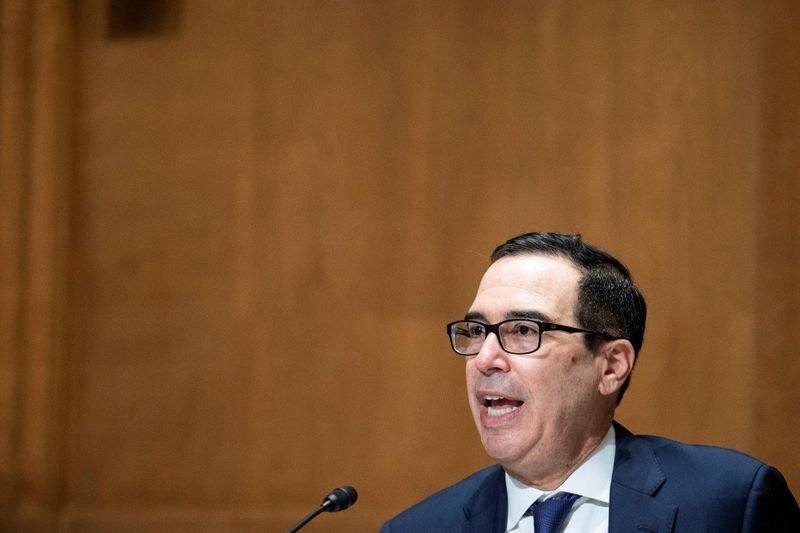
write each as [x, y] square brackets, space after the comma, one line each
[476, 330]
[525, 329]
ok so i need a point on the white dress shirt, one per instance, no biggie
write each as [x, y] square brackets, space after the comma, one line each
[591, 481]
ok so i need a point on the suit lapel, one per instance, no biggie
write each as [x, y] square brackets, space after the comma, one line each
[487, 510]
[637, 476]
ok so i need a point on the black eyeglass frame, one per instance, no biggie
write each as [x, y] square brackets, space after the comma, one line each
[495, 328]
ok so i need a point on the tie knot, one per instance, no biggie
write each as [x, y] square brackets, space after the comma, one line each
[549, 515]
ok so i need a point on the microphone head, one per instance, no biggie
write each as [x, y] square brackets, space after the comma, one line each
[340, 499]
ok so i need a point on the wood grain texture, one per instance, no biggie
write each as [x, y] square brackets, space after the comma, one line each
[261, 194]
[777, 357]
[36, 162]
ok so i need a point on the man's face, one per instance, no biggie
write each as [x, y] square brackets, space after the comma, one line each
[549, 404]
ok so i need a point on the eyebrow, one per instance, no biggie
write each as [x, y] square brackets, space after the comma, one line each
[529, 315]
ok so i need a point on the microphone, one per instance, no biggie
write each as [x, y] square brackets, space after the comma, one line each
[339, 499]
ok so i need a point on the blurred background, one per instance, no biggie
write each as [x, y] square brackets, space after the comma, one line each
[232, 233]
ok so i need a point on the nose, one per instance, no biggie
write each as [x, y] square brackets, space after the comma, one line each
[492, 358]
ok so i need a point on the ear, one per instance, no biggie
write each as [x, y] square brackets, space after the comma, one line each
[616, 358]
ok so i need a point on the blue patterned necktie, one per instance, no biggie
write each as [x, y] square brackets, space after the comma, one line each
[549, 515]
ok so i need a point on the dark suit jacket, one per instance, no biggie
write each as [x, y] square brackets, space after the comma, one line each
[658, 485]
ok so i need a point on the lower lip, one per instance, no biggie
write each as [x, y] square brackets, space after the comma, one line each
[490, 421]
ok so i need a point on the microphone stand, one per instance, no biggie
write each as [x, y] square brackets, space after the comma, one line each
[308, 519]
[338, 500]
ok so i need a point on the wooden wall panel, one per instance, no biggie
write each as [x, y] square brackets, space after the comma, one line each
[35, 173]
[686, 144]
[776, 355]
[263, 189]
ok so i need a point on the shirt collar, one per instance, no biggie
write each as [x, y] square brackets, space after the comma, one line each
[592, 480]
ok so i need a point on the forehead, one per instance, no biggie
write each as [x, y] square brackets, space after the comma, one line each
[542, 284]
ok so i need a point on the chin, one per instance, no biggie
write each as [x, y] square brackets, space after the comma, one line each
[503, 449]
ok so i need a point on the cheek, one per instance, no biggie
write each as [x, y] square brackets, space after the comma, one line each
[582, 384]
[471, 376]
[469, 373]
[567, 385]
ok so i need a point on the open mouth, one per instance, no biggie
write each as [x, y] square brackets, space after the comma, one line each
[500, 406]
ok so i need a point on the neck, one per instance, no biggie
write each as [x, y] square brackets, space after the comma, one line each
[559, 465]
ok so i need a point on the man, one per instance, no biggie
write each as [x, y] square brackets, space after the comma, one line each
[550, 342]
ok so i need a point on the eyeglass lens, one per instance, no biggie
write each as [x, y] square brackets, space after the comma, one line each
[516, 336]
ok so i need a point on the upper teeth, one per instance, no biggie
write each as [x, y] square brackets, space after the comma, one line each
[493, 397]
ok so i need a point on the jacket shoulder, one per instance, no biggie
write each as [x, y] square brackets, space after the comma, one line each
[719, 487]
[713, 463]
[442, 510]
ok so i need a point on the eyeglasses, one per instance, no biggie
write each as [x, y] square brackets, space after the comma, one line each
[516, 336]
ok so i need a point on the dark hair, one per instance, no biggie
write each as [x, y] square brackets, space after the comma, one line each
[608, 300]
